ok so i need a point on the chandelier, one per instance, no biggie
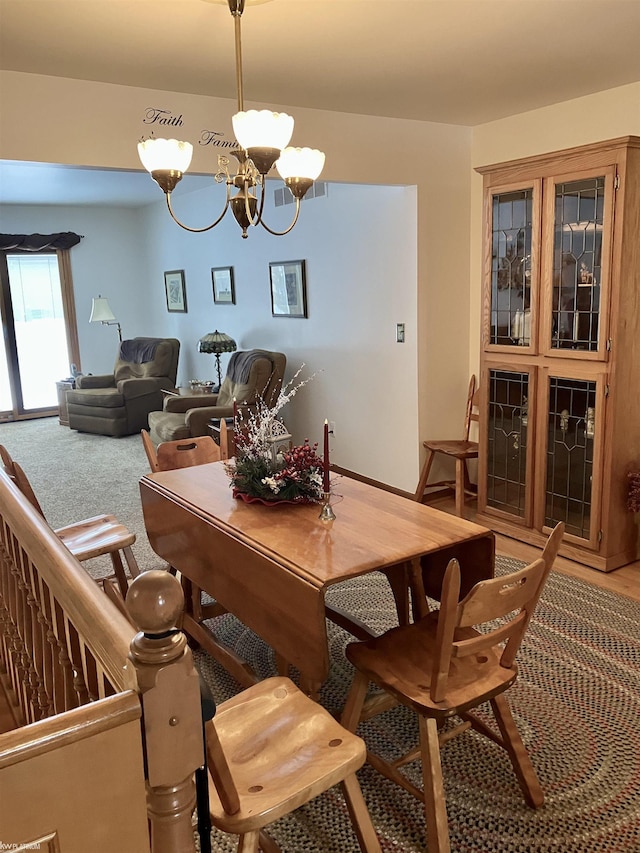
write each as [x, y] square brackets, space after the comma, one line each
[262, 137]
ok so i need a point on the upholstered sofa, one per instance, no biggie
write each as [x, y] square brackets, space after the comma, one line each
[251, 375]
[119, 403]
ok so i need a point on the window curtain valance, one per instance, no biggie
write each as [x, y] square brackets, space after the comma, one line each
[38, 242]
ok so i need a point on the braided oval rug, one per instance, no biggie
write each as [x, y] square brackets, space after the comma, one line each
[577, 705]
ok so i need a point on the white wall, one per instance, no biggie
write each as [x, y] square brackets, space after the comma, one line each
[361, 281]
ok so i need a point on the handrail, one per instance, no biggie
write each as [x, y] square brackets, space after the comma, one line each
[79, 597]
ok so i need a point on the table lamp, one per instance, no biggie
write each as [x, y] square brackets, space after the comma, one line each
[217, 343]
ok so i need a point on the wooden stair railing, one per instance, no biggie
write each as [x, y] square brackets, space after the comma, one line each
[110, 723]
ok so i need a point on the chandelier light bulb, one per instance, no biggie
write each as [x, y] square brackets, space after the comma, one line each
[165, 154]
[262, 129]
[300, 163]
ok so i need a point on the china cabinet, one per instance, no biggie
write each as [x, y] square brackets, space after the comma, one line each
[560, 360]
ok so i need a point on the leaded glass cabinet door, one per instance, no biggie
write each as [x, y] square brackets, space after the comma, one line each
[506, 481]
[513, 228]
[572, 423]
[577, 264]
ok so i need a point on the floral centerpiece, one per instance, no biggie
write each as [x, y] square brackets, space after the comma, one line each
[260, 470]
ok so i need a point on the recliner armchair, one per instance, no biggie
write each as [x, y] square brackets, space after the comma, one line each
[251, 375]
[119, 404]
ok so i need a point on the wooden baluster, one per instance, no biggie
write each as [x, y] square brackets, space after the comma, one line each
[37, 655]
[9, 633]
[89, 671]
[13, 631]
[170, 692]
[23, 686]
[64, 661]
[5, 619]
[75, 656]
[50, 650]
[36, 645]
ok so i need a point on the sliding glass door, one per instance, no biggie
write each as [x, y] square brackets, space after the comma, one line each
[35, 354]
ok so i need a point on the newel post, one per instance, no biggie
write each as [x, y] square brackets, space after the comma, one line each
[171, 708]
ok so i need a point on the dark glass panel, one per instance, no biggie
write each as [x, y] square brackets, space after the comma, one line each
[570, 454]
[507, 441]
[511, 267]
[577, 264]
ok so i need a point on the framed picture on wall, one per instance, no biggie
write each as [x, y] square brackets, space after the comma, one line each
[175, 290]
[288, 289]
[224, 292]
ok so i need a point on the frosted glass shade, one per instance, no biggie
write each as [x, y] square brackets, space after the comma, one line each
[262, 129]
[300, 163]
[165, 154]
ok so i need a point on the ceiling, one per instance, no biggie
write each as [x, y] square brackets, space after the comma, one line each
[454, 61]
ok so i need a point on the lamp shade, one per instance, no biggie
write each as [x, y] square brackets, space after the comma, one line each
[262, 129]
[100, 310]
[161, 154]
[216, 342]
[300, 163]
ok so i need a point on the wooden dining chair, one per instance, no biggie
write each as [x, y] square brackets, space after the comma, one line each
[271, 749]
[443, 666]
[460, 450]
[86, 539]
[182, 453]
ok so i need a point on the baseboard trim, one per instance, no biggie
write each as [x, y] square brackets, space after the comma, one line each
[370, 482]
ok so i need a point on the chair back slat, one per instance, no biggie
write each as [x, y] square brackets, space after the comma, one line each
[187, 452]
[219, 769]
[150, 449]
[471, 410]
[493, 599]
[510, 600]
[7, 462]
[22, 482]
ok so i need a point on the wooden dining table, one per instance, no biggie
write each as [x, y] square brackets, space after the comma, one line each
[271, 565]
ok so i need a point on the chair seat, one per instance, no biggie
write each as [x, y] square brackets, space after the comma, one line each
[104, 398]
[168, 426]
[96, 536]
[458, 449]
[398, 660]
[283, 749]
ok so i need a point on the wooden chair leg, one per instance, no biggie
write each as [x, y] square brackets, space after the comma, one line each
[360, 817]
[434, 802]
[132, 563]
[523, 768]
[249, 842]
[267, 844]
[460, 477]
[424, 476]
[118, 569]
[282, 664]
[355, 701]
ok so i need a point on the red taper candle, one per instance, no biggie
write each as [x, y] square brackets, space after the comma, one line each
[325, 482]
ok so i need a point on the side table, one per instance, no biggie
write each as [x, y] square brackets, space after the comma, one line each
[62, 387]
